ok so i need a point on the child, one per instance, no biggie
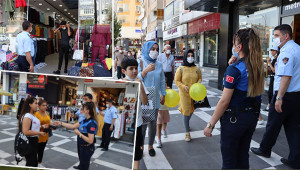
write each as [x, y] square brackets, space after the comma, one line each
[130, 69]
[162, 119]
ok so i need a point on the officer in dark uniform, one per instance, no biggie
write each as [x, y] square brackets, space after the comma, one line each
[86, 134]
[238, 109]
[284, 108]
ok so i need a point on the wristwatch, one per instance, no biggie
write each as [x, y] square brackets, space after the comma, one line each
[210, 126]
[278, 98]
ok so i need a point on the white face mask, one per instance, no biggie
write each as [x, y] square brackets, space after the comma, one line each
[190, 60]
[168, 52]
[120, 51]
[277, 42]
[107, 106]
[64, 28]
[31, 30]
[153, 54]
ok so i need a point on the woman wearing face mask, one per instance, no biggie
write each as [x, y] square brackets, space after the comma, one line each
[153, 76]
[239, 107]
[187, 75]
[85, 131]
[30, 125]
[44, 118]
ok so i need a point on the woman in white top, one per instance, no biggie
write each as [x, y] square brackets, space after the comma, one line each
[31, 128]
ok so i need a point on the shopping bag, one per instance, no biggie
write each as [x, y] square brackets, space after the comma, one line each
[78, 55]
[202, 103]
[149, 110]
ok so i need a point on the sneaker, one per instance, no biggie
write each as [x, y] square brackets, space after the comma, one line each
[159, 144]
[66, 71]
[187, 137]
[56, 72]
[164, 133]
[260, 122]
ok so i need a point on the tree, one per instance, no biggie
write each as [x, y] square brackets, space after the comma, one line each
[117, 25]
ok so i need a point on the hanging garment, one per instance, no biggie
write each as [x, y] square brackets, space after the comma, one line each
[9, 7]
[101, 37]
[46, 19]
[20, 3]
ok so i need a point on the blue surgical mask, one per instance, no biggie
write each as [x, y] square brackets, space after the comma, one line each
[235, 54]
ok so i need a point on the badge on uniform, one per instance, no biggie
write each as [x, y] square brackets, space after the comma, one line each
[93, 129]
[285, 60]
[229, 79]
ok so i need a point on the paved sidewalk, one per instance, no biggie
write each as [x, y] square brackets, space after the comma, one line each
[61, 150]
[203, 152]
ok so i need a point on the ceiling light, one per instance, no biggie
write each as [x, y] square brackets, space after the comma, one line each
[48, 9]
[60, 5]
[65, 10]
[54, 0]
[72, 15]
[40, 4]
[69, 13]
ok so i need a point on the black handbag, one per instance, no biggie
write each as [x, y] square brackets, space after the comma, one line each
[202, 103]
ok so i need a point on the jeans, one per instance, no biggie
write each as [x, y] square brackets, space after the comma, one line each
[41, 148]
[31, 158]
[152, 129]
[63, 50]
[186, 121]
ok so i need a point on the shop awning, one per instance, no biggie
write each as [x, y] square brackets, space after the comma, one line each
[246, 7]
[131, 32]
[5, 93]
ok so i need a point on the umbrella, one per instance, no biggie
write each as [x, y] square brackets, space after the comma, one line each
[5, 93]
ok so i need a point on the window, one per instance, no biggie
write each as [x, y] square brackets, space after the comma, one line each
[120, 10]
[138, 1]
[211, 48]
[137, 22]
[138, 9]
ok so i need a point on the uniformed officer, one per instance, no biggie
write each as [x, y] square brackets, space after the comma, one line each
[239, 106]
[110, 116]
[86, 134]
[284, 108]
[25, 47]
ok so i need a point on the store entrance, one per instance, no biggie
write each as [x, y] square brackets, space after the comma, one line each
[294, 22]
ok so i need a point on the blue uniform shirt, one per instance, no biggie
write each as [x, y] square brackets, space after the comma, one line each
[87, 126]
[110, 114]
[25, 44]
[81, 117]
[288, 64]
[236, 77]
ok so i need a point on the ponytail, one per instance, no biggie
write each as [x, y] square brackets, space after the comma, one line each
[253, 58]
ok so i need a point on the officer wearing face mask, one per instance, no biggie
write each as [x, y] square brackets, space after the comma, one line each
[25, 48]
[284, 107]
[168, 62]
[64, 46]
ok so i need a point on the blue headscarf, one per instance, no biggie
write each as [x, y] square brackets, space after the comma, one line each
[146, 49]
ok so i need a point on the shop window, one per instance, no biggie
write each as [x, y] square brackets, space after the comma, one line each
[138, 9]
[211, 48]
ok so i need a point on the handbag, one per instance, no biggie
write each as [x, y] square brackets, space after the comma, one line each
[202, 103]
[22, 146]
[149, 110]
[78, 55]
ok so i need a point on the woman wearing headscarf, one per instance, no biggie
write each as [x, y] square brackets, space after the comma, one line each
[187, 75]
[152, 76]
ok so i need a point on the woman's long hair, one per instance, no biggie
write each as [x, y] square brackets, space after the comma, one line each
[26, 107]
[92, 110]
[253, 57]
[20, 107]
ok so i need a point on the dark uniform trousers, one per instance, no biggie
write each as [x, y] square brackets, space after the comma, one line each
[86, 153]
[236, 138]
[32, 156]
[23, 63]
[106, 133]
[290, 119]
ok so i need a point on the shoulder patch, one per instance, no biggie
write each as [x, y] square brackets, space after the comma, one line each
[229, 79]
[93, 129]
[285, 60]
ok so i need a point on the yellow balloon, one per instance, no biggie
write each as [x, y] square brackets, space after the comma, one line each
[198, 92]
[108, 63]
[172, 98]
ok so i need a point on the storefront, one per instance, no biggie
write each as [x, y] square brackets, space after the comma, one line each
[208, 27]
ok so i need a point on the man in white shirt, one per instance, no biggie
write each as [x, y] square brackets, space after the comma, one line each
[168, 61]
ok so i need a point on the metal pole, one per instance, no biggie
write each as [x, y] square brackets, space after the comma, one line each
[27, 9]
[113, 35]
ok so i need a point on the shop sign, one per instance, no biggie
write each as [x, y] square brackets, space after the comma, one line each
[169, 11]
[151, 36]
[171, 23]
[36, 81]
[88, 80]
[207, 23]
[293, 8]
[175, 32]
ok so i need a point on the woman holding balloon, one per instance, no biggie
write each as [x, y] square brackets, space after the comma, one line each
[187, 75]
[239, 107]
